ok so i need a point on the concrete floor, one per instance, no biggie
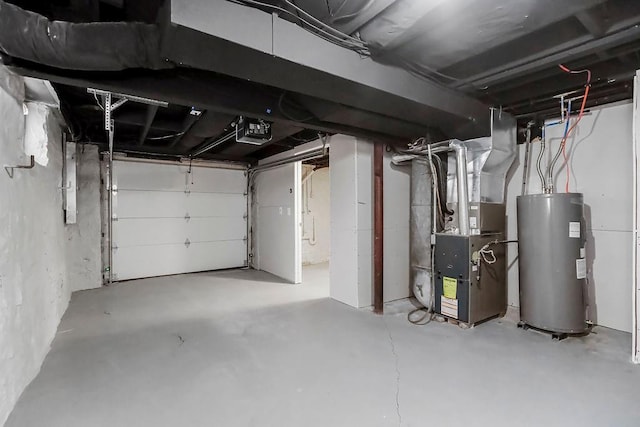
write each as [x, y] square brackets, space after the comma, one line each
[240, 348]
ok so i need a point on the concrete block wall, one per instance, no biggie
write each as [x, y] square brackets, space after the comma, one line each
[35, 278]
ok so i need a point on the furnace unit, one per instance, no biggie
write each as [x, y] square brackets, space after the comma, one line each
[470, 249]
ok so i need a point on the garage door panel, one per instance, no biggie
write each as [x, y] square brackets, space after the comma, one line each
[160, 231]
[221, 228]
[149, 204]
[170, 222]
[160, 260]
[160, 204]
[150, 176]
[216, 204]
[207, 180]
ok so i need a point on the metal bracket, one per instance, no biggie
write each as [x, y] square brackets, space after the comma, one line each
[187, 243]
[133, 98]
[187, 217]
[10, 169]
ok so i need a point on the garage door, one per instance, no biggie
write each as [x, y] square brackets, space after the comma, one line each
[172, 219]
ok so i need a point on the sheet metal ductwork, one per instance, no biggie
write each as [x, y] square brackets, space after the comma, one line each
[476, 177]
[421, 220]
[96, 46]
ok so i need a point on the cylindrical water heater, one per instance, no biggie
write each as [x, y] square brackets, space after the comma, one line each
[552, 262]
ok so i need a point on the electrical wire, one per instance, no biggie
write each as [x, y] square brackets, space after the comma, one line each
[343, 40]
[580, 114]
[564, 146]
[424, 320]
[159, 138]
[488, 256]
[319, 22]
[98, 101]
[561, 146]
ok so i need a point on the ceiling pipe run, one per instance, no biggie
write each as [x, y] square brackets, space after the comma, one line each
[96, 46]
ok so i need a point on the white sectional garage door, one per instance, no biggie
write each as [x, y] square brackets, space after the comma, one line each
[170, 221]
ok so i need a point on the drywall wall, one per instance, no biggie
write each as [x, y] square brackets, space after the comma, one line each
[351, 220]
[316, 215]
[35, 278]
[84, 238]
[277, 230]
[34, 287]
[600, 154]
[352, 224]
[397, 189]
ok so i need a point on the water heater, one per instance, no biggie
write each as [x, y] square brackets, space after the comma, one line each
[552, 262]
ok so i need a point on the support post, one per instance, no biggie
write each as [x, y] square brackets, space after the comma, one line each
[635, 275]
[110, 200]
[378, 230]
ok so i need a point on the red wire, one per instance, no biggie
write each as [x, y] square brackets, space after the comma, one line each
[584, 103]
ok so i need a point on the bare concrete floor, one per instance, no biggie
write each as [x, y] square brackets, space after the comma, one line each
[240, 348]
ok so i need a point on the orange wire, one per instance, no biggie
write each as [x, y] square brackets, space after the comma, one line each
[584, 103]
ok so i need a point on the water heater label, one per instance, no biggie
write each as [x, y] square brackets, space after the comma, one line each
[449, 307]
[581, 268]
[574, 230]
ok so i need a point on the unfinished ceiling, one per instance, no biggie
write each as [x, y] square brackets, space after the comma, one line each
[437, 65]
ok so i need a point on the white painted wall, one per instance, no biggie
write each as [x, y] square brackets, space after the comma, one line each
[397, 189]
[316, 216]
[277, 227]
[600, 159]
[35, 278]
[352, 224]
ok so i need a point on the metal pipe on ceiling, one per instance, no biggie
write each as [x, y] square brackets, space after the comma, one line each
[210, 146]
[95, 46]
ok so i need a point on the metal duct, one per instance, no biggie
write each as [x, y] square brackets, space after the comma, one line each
[460, 151]
[113, 46]
[488, 161]
[421, 220]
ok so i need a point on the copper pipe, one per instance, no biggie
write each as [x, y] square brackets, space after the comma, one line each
[378, 233]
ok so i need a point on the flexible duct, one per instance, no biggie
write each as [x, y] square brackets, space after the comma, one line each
[98, 46]
[421, 217]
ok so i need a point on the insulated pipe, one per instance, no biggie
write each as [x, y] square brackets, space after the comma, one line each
[421, 222]
[463, 190]
[95, 46]
[378, 230]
